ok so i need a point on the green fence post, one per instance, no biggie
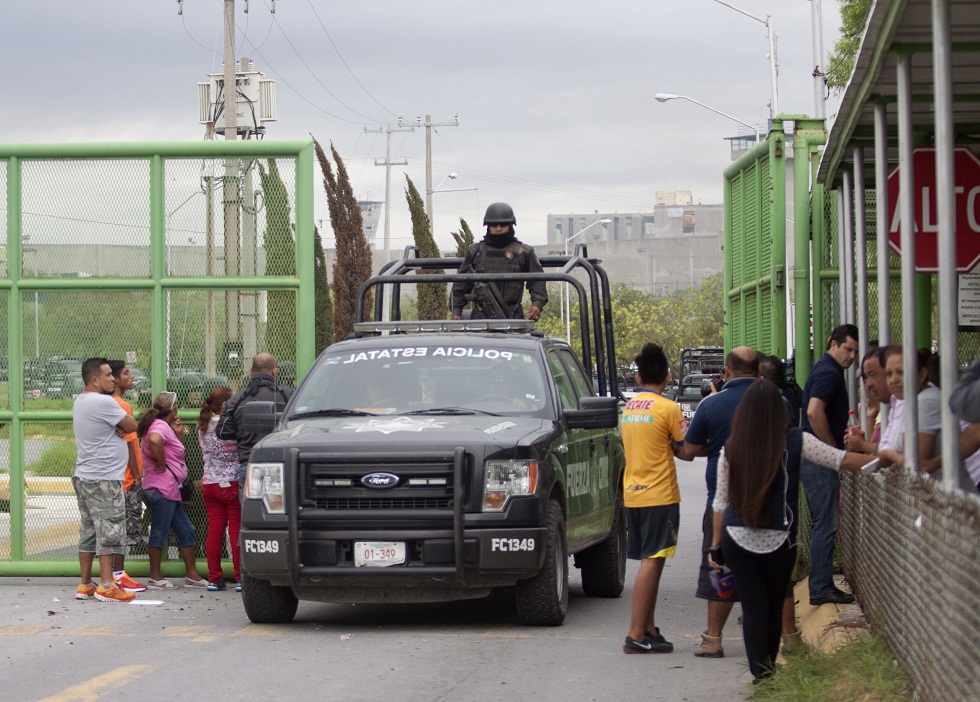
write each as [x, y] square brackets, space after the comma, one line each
[306, 311]
[15, 351]
[727, 275]
[158, 270]
[777, 227]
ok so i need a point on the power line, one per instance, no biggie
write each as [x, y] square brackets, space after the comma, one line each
[315, 76]
[546, 187]
[345, 62]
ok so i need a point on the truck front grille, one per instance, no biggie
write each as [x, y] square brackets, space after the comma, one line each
[385, 503]
[422, 484]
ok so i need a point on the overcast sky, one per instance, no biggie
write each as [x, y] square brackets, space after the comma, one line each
[554, 97]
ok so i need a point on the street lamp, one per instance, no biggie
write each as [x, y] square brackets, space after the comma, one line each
[451, 176]
[774, 105]
[664, 97]
[439, 189]
[566, 297]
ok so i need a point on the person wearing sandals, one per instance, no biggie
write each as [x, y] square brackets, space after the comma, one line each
[219, 489]
[160, 430]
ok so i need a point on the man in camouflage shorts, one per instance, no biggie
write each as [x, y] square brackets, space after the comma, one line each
[99, 424]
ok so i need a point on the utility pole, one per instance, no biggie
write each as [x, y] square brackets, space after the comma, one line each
[819, 81]
[230, 188]
[388, 163]
[429, 124]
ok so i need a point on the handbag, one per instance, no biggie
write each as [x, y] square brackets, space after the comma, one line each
[186, 488]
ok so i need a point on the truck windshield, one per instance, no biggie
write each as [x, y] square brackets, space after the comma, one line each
[431, 378]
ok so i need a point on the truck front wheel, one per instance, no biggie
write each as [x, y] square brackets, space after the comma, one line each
[543, 599]
[267, 604]
[604, 565]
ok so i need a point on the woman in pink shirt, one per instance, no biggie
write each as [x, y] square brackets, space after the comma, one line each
[164, 468]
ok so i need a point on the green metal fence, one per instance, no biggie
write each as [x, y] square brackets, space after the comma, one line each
[755, 244]
[184, 259]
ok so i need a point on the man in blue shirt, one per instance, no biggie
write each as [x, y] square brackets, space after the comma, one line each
[825, 404]
[706, 437]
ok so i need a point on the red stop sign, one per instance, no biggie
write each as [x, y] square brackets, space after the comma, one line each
[967, 180]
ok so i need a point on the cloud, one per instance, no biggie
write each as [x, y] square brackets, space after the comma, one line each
[554, 97]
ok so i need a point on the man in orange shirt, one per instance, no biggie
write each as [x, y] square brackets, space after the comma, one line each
[653, 426]
[131, 481]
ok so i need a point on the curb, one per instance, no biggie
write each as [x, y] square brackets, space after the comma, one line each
[36, 485]
[828, 627]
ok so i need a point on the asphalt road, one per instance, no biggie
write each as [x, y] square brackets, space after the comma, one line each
[199, 645]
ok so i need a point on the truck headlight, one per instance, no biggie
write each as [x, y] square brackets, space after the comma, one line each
[263, 481]
[505, 479]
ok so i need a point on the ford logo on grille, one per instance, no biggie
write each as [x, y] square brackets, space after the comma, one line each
[380, 481]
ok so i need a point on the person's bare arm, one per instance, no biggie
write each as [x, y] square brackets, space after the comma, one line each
[133, 466]
[927, 446]
[890, 457]
[816, 414]
[127, 424]
[970, 441]
[854, 461]
[688, 451]
[155, 442]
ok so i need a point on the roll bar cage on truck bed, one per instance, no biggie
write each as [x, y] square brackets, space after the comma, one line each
[595, 321]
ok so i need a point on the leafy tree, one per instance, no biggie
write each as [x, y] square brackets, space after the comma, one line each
[681, 319]
[323, 304]
[840, 63]
[463, 238]
[432, 298]
[353, 265]
[280, 336]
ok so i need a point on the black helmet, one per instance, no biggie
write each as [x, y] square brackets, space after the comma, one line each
[499, 213]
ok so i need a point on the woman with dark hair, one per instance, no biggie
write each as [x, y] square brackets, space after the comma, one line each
[755, 512]
[219, 489]
[164, 468]
[928, 401]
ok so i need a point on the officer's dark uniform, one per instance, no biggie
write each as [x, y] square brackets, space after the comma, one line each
[501, 253]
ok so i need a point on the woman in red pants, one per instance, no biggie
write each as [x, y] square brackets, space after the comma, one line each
[219, 489]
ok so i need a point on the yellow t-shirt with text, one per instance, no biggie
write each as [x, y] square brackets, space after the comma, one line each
[650, 422]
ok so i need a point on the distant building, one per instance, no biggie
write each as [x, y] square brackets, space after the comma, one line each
[371, 216]
[672, 247]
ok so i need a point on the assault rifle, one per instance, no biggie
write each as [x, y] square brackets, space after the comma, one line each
[485, 298]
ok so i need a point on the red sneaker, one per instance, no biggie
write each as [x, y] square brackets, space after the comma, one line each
[128, 584]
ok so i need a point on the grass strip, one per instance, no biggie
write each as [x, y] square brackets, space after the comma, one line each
[863, 671]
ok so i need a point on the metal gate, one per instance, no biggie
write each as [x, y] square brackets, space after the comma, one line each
[184, 259]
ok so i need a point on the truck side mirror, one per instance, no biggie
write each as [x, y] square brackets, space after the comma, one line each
[594, 413]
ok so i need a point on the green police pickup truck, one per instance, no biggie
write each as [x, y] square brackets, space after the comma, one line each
[433, 461]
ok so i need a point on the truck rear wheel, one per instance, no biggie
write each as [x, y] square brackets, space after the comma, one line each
[604, 565]
[543, 599]
[267, 604]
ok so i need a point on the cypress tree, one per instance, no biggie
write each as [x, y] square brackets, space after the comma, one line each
[463, 238]
[353, 264]
[323, 332]
[280, 336]
[432, 298]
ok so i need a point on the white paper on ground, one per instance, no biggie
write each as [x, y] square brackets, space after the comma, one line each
[145, 602]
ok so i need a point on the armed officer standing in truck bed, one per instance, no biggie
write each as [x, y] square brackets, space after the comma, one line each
[500, 252]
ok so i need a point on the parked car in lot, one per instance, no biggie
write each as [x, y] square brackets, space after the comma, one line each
[192, 387]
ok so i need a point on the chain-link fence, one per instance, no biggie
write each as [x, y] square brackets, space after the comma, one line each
[911, 553]
[909, 548]
[184, 260]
